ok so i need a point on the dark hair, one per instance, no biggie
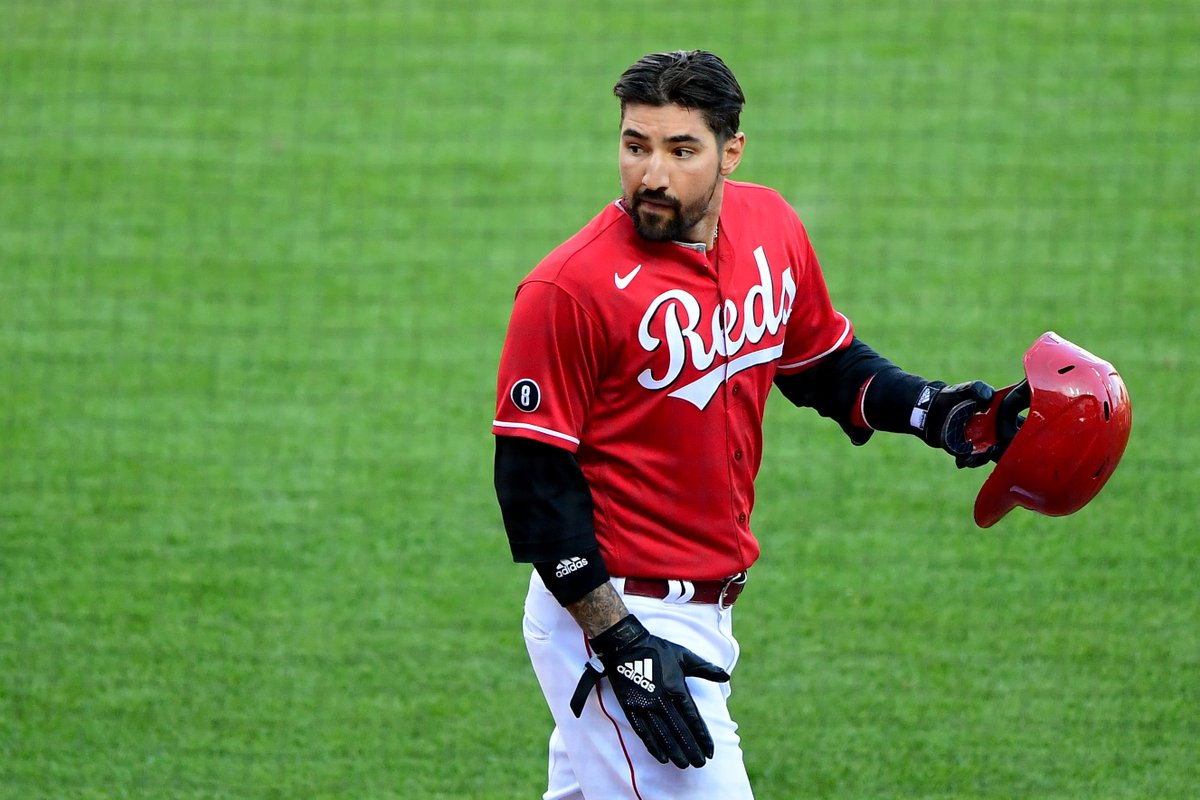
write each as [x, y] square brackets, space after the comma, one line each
[695, 79]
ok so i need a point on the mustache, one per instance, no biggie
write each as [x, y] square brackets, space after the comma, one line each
[656, 197]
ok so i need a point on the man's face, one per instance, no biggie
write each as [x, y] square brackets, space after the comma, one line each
[672, 171]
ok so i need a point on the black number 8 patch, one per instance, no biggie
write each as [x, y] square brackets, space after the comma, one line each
[526, 395]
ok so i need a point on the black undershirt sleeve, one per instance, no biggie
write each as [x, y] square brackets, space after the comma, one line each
[547, 508]
[833, 386]
[544, 499]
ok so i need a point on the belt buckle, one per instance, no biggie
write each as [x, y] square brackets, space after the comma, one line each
[739, 580]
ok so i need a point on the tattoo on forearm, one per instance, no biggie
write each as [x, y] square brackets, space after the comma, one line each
[599, 609]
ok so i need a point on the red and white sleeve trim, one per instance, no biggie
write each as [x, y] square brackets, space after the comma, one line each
[536, 428]
[841, 339]
[858, 417]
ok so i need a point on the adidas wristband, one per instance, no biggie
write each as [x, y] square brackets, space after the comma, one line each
[569, 579]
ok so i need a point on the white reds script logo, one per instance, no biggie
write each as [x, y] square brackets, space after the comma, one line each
[759, 315]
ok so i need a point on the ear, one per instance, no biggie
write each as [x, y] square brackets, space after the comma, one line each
[731, 153]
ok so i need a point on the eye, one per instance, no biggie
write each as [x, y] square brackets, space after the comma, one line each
[684, 152]
[635, 149]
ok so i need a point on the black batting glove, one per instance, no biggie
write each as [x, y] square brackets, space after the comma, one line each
[647, 676]
[941, 416]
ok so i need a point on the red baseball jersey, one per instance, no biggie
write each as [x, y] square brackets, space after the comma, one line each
[652, 363]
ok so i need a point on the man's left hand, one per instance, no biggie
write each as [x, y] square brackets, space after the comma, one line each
[942, 413]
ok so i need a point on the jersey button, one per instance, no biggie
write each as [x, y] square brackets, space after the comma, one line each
[735, 390]
[742, 518]
[737, 455]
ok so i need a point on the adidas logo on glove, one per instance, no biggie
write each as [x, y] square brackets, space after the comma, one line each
[640, 672]
[569, 565]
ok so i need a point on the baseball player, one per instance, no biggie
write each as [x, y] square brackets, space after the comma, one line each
[628, 429]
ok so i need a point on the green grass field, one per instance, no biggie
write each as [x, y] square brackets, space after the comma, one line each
[256, 262]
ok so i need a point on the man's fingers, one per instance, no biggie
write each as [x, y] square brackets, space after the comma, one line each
[682, 747]
[696, 667]
[648, 736]
[673, 735]
[982, 391]
[972, 390]
[688, 713]
[974, 460]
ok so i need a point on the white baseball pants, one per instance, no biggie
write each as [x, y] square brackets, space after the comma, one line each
[598, 756]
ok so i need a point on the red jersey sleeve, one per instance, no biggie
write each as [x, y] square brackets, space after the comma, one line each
[815, 328]
[553, 354]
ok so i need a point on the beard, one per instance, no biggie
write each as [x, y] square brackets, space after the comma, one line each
[669, 219]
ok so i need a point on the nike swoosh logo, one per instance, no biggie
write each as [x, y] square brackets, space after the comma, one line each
[625, 281]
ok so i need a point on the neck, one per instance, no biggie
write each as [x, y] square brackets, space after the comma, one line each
[709, 225]
[706, 231]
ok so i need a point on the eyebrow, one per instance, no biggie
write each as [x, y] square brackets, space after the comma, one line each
[677, 138]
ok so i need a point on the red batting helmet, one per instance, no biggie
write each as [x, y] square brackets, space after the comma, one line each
[1070, 442]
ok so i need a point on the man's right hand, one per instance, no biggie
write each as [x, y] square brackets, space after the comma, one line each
[647, 675]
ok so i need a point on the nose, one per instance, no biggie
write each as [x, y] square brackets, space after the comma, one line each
[656, 178]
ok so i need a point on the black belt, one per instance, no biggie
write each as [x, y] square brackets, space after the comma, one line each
[722, 593]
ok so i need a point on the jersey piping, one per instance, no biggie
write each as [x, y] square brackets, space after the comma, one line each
[836, 345]
[538, 428]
